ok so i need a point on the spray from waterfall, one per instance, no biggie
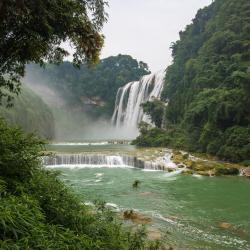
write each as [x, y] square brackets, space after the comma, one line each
[128, 112]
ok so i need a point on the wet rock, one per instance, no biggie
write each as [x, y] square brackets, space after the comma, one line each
[188, 172]
[181, 165]
[136, 184]
[185, 156]
[203, 166]
[189, 163]
[177, 157]
[225, 225]
[203, 173]
[136, 217]
[246, 172]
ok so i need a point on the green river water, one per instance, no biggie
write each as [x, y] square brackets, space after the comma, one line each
[188, 210]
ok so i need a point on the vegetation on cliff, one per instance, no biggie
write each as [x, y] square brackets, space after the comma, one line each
[207, 86]
[31, 114]
[93, 88]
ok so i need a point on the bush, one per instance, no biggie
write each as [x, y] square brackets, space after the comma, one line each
[227, 171]
[235, 144]
[37, 211]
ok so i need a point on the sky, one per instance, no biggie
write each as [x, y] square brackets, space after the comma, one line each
[145, 29]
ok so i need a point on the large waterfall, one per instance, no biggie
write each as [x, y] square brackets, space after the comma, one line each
[128, 112]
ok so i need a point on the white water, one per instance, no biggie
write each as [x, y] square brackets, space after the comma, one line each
[81, 143]
[128, 112]
[85, 159]
[100, 160]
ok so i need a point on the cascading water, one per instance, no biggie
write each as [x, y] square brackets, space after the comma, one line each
[84, 159]
[106, 160]
[128, 112]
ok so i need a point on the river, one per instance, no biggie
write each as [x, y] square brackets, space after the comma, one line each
[190, 211]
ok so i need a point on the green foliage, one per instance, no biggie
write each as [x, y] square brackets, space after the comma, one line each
[155, 109]
[31, 113]
[236, 144]
[19, 156]
[33, 32]
[157, 137]
[37, 211]
[94, 87]
[207, 86]
[226, 171]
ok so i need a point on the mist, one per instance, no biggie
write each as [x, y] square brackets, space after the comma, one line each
[73, 124]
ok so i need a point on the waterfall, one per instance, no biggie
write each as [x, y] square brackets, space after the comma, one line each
[83, 159]
[101, 160]
[128, 112]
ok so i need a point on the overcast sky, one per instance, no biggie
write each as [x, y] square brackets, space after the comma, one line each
[145, 29]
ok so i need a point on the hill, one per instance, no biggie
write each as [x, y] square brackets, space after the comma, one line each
[31, 114]
[208, 85]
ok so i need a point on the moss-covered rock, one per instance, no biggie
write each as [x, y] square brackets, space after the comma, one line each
[188, 172]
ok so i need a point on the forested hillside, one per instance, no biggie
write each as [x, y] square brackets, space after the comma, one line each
[208, 85]
[91, 87]
[31, 114]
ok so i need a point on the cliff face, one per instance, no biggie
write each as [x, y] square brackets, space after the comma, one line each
[31, 114]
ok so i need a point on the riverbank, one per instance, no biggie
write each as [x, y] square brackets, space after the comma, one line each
[207, 166]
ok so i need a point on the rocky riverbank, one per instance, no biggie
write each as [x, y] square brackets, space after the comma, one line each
[206, 166]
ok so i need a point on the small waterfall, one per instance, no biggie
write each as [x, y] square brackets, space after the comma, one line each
[101, 160]
[128, 112]
[83, 159]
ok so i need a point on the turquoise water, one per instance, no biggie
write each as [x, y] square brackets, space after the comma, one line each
[188, 210]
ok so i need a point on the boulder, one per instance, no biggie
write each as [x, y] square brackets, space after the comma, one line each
[181, 165]
[246, 172]
[136, 217]
[225, 225]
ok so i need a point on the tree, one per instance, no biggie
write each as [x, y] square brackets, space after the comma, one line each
[33, 31]
[155, 109]
[38, 211]
[207, 85]
[99, 83]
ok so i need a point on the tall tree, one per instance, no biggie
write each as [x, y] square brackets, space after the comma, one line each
[33, 31]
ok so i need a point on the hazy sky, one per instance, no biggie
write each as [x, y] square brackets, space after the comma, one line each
[145, 29]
